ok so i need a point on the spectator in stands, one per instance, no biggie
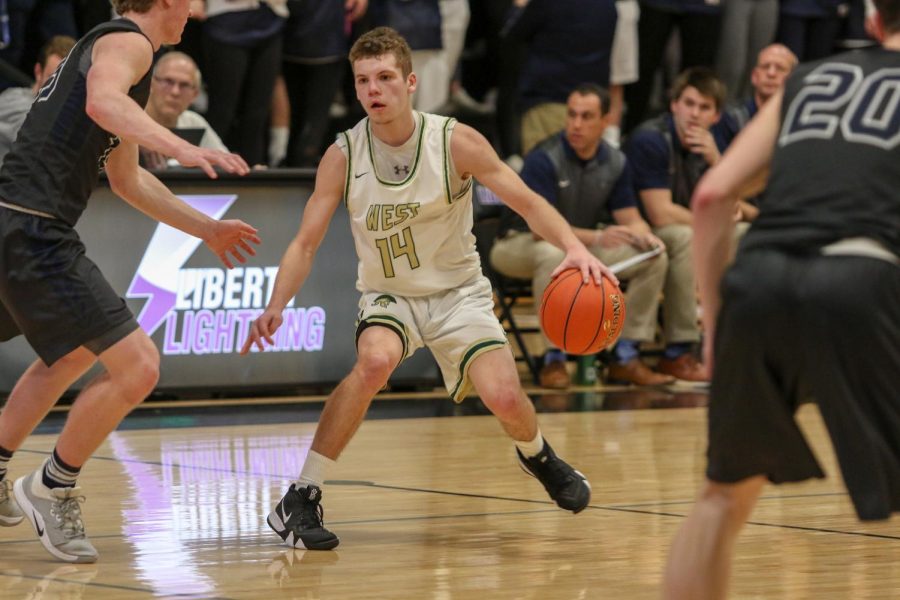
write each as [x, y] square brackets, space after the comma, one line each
[493, 63]
[16, 102]
[623, 65]
[315, 53]
[419, 21]
[698, 23]
[773, 65]
[31, 25]
[668, 155]
[242, 42]
[174, 86]
[589, 182]
[810, 28]
[567, 43]
[747, 27]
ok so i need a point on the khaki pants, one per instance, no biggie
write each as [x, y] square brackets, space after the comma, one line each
[540, 122]
[520, 255]
[680, 290]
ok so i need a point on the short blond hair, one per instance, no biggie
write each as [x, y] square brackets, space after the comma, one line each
[380, 42]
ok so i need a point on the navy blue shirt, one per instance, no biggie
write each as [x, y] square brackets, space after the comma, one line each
[648, 154]
[810, 8]
[315, 30]
[539, 174]
[657, 165]
[733, 119]
[568, 43]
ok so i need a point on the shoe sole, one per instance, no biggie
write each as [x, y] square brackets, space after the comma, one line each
[277, 525]
[11, 521]
[574, 511]
[32, 514]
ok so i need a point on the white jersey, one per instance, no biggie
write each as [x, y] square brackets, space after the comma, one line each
[410, 212]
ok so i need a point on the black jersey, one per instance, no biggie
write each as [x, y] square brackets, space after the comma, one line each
[836, 168]
[57, 157]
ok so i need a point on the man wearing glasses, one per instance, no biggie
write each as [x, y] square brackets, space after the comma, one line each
[174, 87]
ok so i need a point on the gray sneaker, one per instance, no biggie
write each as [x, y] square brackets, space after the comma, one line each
[10, 513]
[56, 517]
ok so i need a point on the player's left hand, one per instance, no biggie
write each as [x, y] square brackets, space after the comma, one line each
[231, 237]
[589, 265]
[207, 159]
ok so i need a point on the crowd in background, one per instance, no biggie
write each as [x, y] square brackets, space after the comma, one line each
[275, 80]
[556, 85]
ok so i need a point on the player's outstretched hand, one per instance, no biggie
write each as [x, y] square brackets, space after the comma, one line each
[207, 159]
[262, 330]
[231, 237]
[589, 265]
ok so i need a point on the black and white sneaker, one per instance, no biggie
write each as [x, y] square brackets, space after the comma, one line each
[298, 520]
[566, 486]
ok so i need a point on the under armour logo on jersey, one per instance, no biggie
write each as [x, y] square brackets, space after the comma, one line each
[398, 168]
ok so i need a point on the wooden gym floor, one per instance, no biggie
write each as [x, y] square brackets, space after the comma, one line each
[430, 504]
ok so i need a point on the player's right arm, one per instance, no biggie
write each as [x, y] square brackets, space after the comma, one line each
[713, 205]
[118, 62]
[297, 261]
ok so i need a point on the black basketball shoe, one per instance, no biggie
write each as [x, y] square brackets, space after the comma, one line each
[298, 520]
[566, 486]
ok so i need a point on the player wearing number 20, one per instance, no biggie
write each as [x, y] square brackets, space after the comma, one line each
[810, 308]
[406, 180]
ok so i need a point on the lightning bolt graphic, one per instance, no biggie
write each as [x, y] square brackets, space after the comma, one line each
[156, 278]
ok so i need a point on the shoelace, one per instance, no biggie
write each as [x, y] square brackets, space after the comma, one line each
[554, 474]
[311, 515]
[5, 489]
[68, 513]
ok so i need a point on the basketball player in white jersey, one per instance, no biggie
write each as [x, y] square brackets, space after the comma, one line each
[406, 179]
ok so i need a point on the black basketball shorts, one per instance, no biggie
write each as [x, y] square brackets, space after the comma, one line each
[51, 292]
[797, 328]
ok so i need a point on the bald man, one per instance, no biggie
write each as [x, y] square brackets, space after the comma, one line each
[773, 65]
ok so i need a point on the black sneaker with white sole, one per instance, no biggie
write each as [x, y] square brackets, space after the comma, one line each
[297, 519]
[566, 486]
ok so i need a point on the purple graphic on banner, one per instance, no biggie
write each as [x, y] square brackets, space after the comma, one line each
[159, 303]
[169, 249]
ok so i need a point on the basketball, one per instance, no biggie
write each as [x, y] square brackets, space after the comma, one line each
[582, 318]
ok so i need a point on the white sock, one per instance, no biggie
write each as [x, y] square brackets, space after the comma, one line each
[314, 469]
[278, 141]
[532, 447]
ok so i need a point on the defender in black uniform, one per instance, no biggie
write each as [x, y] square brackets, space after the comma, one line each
[811, 307]
[87, 117]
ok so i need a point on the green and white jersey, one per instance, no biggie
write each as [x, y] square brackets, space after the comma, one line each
[410, 212]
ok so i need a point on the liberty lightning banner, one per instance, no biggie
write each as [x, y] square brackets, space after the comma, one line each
[198, 312]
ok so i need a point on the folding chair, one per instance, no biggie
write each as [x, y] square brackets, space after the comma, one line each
[508, 291]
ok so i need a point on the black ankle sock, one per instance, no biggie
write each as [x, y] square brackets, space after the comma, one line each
[59, 474]
[5, 456]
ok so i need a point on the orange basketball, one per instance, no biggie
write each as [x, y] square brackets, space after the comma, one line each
[582, 318]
